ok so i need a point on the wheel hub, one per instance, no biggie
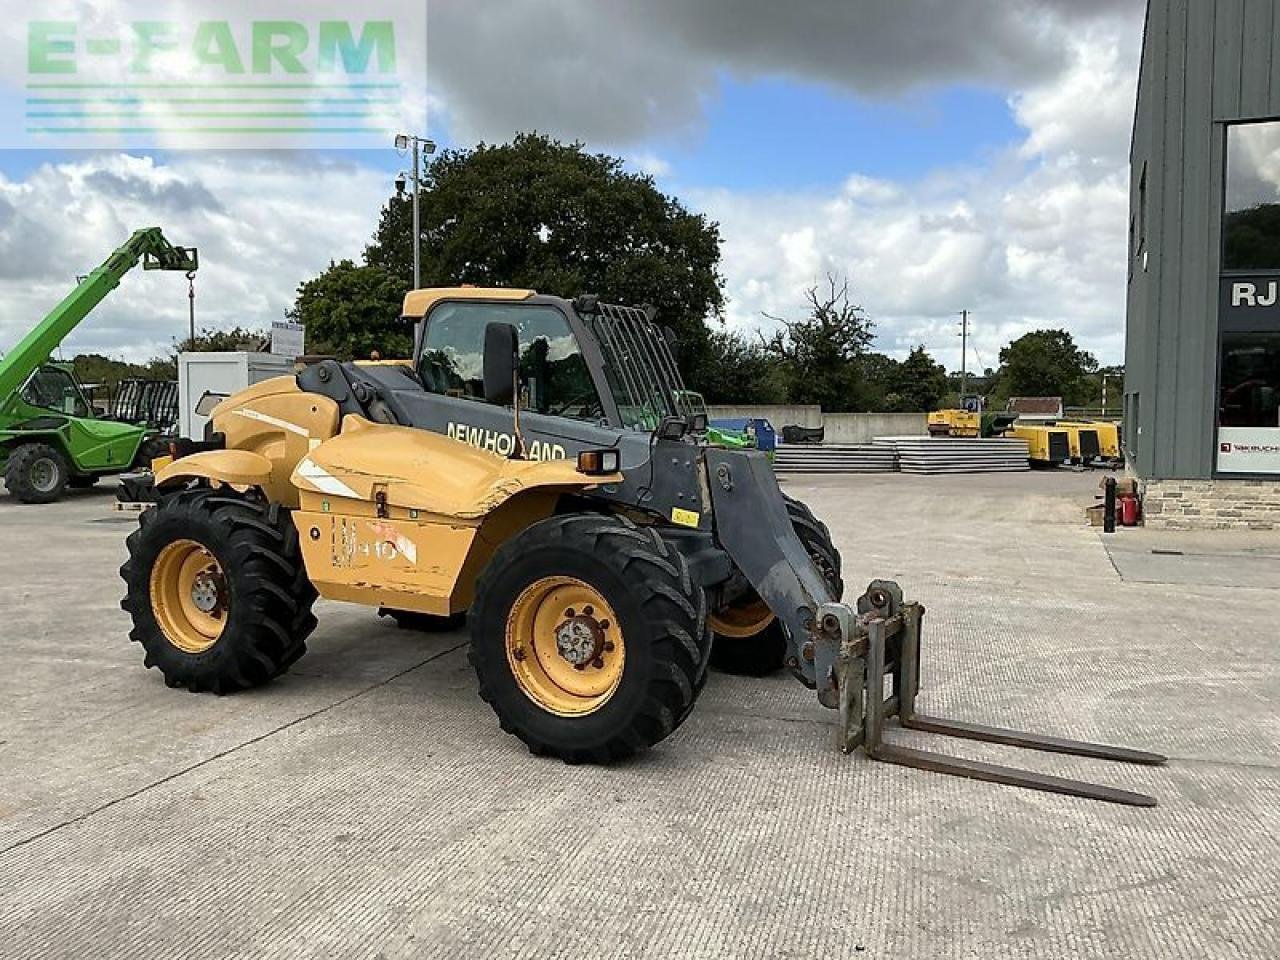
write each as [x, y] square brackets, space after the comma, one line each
[189, 596]
[44, 475]
[206, 592]
[580, 639]
[565, 645]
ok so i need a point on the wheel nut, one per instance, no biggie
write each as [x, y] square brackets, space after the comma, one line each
[598, 663]
[807, 651]
[570, 612]
[608, 646]
[588, 610]
[604, 624]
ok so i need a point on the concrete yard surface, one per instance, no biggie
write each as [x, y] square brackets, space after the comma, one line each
[367, 805]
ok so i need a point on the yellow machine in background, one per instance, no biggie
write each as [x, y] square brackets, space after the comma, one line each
[967, 423]
[955, 423]
[1082, 439]
[1106, 432]
[1046, 446]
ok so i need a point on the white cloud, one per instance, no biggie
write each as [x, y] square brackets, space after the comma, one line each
[1031, 238]
[1035, 239]
[263, 224]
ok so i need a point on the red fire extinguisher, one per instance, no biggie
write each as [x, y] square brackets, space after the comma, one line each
[1129, 511]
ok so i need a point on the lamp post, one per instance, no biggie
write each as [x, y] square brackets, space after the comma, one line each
[420, 146]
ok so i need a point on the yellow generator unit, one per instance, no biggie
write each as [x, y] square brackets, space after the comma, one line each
[1046, 446]
[1083, 440]
[1107, 433]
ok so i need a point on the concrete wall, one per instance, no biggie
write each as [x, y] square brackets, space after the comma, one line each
[780, 415]
[865, 427]
[1205, 63]
[841, 427]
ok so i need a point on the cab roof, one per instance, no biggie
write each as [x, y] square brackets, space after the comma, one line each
[417, 303]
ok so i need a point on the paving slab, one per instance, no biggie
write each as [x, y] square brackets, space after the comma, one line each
[367, 805]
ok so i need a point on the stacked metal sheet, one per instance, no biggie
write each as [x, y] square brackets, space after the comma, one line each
[834, 458]
[957, 454]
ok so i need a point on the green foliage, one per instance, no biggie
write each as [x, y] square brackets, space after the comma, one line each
[820, 356]
[917, 384]
[94, 368]
[1046, 363]
[549, 216]
[738, 370]
[353, 311]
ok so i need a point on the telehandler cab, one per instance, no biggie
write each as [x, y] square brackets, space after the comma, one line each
[531, 467]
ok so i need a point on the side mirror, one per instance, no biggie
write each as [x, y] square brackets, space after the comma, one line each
[501, 359]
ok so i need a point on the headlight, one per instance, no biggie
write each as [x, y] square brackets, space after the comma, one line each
[595, 463]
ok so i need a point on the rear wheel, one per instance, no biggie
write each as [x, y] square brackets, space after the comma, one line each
[218, 594]
[749, 639]
[37, 473]
[588, 637]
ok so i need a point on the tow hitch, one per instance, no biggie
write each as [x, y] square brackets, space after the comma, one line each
[882, 639]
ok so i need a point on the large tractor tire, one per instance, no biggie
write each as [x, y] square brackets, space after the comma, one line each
[749, 639]
[148, 450]
[37, 473]
[588, 637]
[217, 590]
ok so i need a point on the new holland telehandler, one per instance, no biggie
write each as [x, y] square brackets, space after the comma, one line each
[531, 467]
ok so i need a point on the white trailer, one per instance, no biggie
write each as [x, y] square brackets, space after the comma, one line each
[220, 374]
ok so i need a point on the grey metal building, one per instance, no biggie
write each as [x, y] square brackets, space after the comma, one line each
[1202, 386]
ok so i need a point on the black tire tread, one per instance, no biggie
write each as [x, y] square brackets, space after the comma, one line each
[17, 472]
[674, 609]
[270, 579]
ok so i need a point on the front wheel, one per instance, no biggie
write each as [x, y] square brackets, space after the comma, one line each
[588, 637]
[218, 594]
[37, 473]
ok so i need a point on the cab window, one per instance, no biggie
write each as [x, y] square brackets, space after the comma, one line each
[554, 377]
[53, 388]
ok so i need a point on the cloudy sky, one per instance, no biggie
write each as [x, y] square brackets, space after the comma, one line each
[945, 154]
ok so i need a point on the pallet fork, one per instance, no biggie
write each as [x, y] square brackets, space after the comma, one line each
[882, 638]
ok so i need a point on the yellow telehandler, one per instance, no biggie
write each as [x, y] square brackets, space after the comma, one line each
[531, 467]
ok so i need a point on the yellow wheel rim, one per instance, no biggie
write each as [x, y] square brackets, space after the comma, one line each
[189, 596]
[565, 646]
[745, 619]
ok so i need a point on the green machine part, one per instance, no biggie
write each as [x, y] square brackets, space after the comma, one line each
[55, 413]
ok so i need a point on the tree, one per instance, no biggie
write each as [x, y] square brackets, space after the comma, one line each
[540, 214]
[206, 341]
[918, 385]
[1047, 363]
[352, 311]
[738, 370]
[94, 368]
[820, 356]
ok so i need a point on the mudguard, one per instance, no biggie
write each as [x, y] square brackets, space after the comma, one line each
[240, 468]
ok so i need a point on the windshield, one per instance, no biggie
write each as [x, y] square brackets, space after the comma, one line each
[639, 366]
[55, 389]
